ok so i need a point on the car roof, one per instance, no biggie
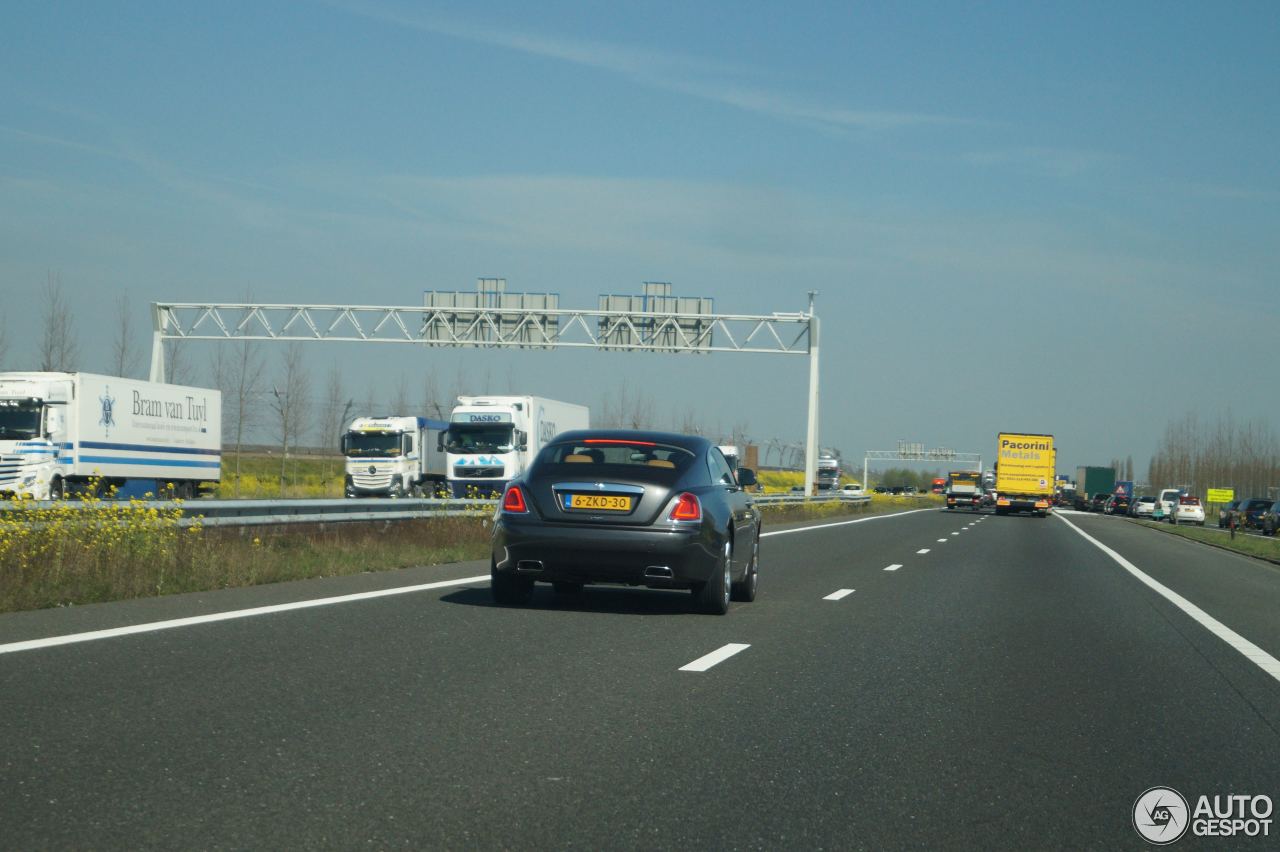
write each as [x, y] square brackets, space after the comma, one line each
[692, 443]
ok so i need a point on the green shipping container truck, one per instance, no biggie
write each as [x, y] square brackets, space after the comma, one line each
[1094, 480]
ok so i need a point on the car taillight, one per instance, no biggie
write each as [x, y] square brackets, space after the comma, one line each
[513, 501]
[687, 508]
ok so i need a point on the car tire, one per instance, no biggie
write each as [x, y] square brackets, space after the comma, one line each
[746, 590]
[712, 597]
[508, 589]
[566, 587]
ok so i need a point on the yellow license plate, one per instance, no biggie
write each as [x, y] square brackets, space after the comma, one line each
[607, 502]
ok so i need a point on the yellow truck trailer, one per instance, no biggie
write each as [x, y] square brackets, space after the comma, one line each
[1025, 466]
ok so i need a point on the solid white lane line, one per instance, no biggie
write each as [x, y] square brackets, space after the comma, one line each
[1250, 651]
[151, 627]
[893, 567]
[923, 550]
[843, 523]
[835, 596]
[718, 656]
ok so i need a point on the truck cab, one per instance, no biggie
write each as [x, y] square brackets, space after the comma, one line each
[32, 429]
[489, 441]
[393, 457]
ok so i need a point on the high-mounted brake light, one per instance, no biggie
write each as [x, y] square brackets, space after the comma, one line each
[513, 500]
[687, 508]
[623, 441]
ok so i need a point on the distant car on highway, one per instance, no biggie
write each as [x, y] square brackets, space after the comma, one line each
[1249, 512]
[1188, 510]
[1117, 504]
[852, 489]
[1271, 519]
[1142, 506]
[636, 508]
[1165, 501]
[1225, 513]
[1098, 502]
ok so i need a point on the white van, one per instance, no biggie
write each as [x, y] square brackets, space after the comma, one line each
[1166, 503]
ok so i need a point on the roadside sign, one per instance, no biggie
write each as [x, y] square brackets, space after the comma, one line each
[1220, 495]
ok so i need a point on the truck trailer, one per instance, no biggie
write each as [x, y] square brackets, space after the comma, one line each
[64, 433]
[491, 440]
[1025, 466]
[394, 457]
[1094, 480]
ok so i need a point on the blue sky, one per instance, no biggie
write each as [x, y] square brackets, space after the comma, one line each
[1018, 216]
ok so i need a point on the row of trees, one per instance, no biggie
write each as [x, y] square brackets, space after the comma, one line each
[1225, 453]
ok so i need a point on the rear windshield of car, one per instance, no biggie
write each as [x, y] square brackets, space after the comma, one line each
[596, 453]
[1189, 501]
[1256, 504]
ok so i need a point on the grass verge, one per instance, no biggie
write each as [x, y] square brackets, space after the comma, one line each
[116, 550]
[879, 505]
[1249, 545]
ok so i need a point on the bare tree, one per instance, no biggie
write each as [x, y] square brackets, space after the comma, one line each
[400, 402]
[58, 348]
[177, 365]
[336, 407]
[241, 381]
[124, 353]
[432, 404]
[291, 401]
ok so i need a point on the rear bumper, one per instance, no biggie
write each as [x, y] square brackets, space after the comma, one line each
[661, 558]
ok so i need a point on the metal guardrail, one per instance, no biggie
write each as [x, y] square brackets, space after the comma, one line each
[229, 513]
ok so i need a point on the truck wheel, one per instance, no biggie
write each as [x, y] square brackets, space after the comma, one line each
[57, 488]
[397, 489]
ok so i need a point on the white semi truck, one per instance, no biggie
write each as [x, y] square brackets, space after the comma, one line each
[492, 439]
[64, 433]
[393, 457]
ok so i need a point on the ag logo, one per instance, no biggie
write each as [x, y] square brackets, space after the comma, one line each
[1161, 816]
[107, 420]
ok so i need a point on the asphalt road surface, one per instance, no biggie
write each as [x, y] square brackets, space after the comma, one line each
[929, 680]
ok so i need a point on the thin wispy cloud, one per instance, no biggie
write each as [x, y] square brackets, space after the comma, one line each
[690, 76]
[1054, 162]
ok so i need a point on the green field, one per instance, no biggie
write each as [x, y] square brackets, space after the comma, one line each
[1250, 545]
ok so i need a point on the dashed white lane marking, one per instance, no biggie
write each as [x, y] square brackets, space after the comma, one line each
[893, 567]
[835, 596]
[943, 540]
[925, 549]
[1250, 651]
[150, 627]
[717, 656]
[843, 523]
[957, 533]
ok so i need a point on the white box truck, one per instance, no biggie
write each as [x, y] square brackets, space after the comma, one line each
[492, 439]
[393, 457]
[66, 433]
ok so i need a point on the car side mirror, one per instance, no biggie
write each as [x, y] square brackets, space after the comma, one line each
[522, 440]
[747, 477]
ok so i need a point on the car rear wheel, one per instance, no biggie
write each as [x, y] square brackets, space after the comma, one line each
[712, 597]
[746, 590]
[508, 589]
